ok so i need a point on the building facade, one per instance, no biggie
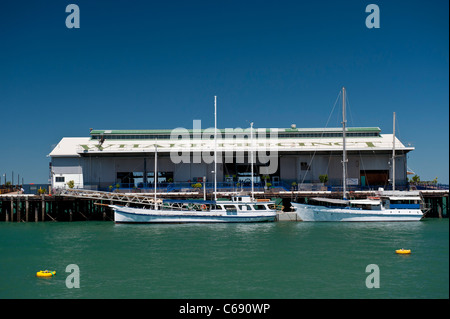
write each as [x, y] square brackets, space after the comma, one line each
[287, 156]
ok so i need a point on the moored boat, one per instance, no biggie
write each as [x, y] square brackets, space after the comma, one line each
[386, 206]
[241, 209]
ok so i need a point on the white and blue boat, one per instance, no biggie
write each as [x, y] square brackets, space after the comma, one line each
[384, 207]
[240, 209]
[397, 206]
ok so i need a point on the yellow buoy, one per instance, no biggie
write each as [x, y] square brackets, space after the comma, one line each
[45, 273]
[403, 251]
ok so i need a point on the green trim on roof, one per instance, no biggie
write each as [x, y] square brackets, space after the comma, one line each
[288, 130]
[334, 129]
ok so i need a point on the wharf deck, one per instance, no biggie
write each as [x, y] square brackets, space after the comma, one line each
[73, 204]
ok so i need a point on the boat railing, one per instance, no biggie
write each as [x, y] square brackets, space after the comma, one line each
[235, 186]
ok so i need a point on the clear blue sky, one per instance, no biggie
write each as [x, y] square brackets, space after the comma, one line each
[158, 64]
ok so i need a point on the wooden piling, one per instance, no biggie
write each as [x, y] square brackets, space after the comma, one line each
[445, 206]
[43, 208]
[12, 209]
[27, 207]
[439, 207]
[36, 214]
[18, 209]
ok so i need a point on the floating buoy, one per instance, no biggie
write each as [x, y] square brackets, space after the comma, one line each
[45, 273]
[403, 251]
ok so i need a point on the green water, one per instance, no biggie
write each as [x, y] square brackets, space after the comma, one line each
[270, 260]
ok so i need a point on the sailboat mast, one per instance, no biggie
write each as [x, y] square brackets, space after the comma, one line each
[393, 155]
[215, 147]
[344, 151]
[251, 152]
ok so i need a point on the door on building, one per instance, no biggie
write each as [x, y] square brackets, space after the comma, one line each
[375, 177]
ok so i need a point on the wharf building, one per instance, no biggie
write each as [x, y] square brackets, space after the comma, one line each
[284, 157]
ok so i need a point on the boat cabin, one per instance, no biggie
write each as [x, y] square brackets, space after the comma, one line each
[243, 203]
[398, 202]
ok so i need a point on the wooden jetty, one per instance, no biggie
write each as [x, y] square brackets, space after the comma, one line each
[81, 205]
[34, 208]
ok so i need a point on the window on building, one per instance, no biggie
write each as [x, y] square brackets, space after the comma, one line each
[304, 166]
[59, 179]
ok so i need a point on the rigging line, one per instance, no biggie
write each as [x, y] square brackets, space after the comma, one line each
[397, 128]
[349, 110]
[329, 117]
[323, 132]
[361, 159]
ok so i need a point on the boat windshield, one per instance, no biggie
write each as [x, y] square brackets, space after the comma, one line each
[366, 204]
[259, 207]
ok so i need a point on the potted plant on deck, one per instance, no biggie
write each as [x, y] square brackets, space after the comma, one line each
[323, 179]
[196, 185]
[293, 186]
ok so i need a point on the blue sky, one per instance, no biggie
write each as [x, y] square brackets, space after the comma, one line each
[158, 64]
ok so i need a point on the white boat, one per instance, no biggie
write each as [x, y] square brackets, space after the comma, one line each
[383, 208]
[241, 209]
[387, 206]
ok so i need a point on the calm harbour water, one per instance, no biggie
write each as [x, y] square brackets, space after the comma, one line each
[270, 260]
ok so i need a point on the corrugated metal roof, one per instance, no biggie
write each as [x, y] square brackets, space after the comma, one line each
[86, 145]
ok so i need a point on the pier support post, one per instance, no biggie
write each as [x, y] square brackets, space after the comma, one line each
[12, 209]
[18, 209]
[445, 206]
[27, 208]
[36, 214]
[43, 207]
[439, 207]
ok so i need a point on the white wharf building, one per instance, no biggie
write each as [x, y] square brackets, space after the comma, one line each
[282, 157]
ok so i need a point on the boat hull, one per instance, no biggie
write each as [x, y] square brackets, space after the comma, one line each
[321, 213]
[137, 215]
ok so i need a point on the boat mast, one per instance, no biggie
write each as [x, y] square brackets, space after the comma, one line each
[215, 147]
[344, 153]
[251, 152]
[155, 179]
[393, 155]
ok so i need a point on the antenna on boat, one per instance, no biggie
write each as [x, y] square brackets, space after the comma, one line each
[344, 151]
[251, 152]
[215, 147]
[393, 155]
